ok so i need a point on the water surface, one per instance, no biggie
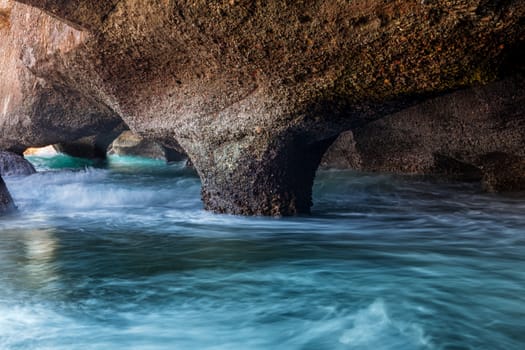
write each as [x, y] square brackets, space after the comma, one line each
[122, 256]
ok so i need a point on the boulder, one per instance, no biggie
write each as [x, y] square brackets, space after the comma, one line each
[6, 202]
[12, 164]
[129, 144]
[85, 147]
[254, 92]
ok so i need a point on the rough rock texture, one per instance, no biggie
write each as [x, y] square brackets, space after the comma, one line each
[6, 202]
[253, 91]
[129, 144]
[448, 135]
[39, 105]
[12, 164]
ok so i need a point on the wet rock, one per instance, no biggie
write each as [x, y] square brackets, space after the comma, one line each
[6, 202]
[175, 155]
[276, 182]
[253, 91]
[12, 164]
[129, 144]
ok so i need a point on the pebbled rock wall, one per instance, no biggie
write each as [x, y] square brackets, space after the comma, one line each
[254, 91]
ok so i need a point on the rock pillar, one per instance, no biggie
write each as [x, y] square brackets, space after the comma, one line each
[260, 176]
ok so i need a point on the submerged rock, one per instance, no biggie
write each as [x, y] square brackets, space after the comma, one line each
[6, 202]
[12, 164]
[129, 144]
[254, 92]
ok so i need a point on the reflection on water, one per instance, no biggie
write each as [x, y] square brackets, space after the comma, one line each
[40, 247]
[124, 256]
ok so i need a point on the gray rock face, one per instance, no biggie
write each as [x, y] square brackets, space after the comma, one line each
[6, 202]
[12, 165]
[253, 91]
[449, 135]
[129, 144]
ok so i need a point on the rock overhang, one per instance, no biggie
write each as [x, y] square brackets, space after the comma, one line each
[249, 88]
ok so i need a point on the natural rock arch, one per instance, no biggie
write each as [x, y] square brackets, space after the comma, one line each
[39, 104]
[451, 135]
[254, 91]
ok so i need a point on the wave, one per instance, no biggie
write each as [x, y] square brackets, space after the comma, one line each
[373, 328]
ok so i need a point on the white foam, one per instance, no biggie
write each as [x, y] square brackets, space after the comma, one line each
[87, 189]
[374, 329]
[21, 326]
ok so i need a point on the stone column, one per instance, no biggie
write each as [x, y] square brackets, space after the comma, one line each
[260, 176]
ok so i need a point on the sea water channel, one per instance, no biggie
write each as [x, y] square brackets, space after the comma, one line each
[123, 256]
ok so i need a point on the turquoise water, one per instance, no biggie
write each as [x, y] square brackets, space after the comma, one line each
[122, 256]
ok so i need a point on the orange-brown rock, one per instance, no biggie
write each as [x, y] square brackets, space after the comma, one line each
[40, 103]
[254, 91]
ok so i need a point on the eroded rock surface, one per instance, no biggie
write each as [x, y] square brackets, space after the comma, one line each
[253, 91]
[40, 104]
[449, 135]
[12, 164]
